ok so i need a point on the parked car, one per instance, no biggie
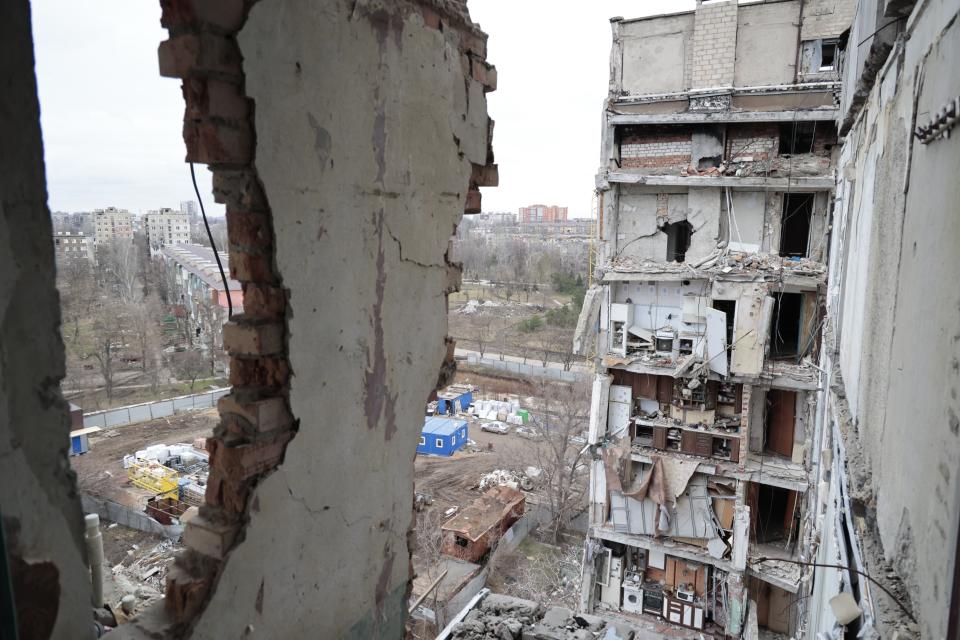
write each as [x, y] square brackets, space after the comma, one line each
[495, 427]
[528, 433]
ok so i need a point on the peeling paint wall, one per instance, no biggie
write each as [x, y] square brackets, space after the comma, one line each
[42, 519]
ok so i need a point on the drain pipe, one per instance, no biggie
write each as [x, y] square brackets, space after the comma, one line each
[95, 554]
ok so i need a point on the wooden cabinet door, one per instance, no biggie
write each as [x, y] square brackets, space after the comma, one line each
[659, 437]
[688, 442]
[735, 449]
[781, 420]
[704, 446]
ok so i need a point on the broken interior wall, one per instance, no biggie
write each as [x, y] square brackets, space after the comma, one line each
[826, 18]
[42, 520]
[766, 43]
[370, 125]
[893, 271]
[657, 51]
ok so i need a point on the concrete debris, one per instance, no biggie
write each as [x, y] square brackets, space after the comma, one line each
[500, 617]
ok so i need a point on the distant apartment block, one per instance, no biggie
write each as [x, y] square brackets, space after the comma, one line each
[166, 227]
[199, 288]
[543, 213]
[112, 223]
[69, 245]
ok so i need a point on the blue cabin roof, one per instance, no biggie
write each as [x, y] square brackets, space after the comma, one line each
[441, 426]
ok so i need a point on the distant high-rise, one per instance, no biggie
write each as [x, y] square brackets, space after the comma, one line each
[543, 213]
[167, 227]
[112, 223]
[190, 208]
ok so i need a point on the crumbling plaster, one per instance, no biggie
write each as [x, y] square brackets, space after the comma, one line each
[899, 344]
[367, 129]
[42, 520]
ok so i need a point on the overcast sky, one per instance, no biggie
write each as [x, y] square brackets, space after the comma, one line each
[112, 125]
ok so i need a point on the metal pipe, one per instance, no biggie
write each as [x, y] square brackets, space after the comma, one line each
[433, 585]
[95, 554]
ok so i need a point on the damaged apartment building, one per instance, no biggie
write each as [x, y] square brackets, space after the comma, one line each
[716, 185]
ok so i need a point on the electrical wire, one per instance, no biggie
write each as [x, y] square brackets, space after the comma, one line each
[216, 254]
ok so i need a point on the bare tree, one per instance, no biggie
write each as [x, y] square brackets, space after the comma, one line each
[563, 415]
[190, 365]
[107, 343]
[77, 294]
[122, 260]
[483, 333]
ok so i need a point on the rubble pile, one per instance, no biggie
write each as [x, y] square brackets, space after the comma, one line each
[500, 617]
[142, 575]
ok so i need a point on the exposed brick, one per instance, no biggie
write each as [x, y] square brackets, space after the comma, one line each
[258, 416]
[239, 189]
[249, 267]
[249, 230]
[248, 460]
[485, 74]
[430, 17]
[261, 300]
[454, 277]
[193, 54]
[473, 201]
[214, 98]
[226, 15]
[217, 143]
[209, 537]
[242, 337]
[268, 371]
[485, 175]
[187, 587]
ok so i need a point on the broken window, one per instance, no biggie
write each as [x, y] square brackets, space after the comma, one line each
[785, 326]
[795, 226]
[780, 422]
[773, 513]
[797, 137]
[461, 541]
[828, 55]
[678, 240]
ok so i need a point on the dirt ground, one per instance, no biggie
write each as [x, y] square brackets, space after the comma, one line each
[100, 471]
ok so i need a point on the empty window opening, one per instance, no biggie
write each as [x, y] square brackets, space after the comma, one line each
[780, 422]
[461, 541]
[795, 226]
[797, 137]
[708, 162]
[785, 326]
[828, 55]
[678, 240]
[776, 512]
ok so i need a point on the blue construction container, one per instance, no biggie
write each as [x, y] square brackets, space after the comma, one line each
[442, 436]
[454, 398]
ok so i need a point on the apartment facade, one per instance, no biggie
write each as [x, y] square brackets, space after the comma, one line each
[542, 213]
[165, 227]
[715, 189]
[72, 245]
[110, 224]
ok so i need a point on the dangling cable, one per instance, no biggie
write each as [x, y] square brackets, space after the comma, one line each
[216, 254]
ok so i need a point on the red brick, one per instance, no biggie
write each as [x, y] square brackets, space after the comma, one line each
[261, 300]
[241, 337]
[485, 74]
[249, 230]
[485, 175]
[186, 592]
[250, 267]
[261, 416]
[227, 15]
[239, 189]
[473, 201]
[210, 97]
[193, 54]
[430, 17]
[217, 143]
[268, 371]
[248, 460]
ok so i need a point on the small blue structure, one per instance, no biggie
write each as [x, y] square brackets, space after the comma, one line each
[442, 436]
[454, 399]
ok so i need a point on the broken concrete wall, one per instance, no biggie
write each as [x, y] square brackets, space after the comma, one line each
[653, 54]
[826, 18]
[346, 139]
[704, 217]
[898, 348]
[749, 217]
[638, 233]
[767, 43]
[42, 521]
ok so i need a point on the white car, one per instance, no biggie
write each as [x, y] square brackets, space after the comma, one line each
[528, 433]
[495, 427]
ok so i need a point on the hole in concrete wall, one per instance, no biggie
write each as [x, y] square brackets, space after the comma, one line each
[779, 422]
[797, 137]
[678, 240]
[795, 226]
[785, 326]
[708, 162]
[729, 307]
[774, 606]
[772, 511]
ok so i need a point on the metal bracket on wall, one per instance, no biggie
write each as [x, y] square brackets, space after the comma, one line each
[939, 126]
